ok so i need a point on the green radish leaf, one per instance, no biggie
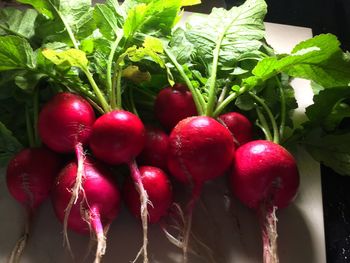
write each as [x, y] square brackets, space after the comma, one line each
[15, 53]
[152, 17]
[43, 7]
[235, 32]
[108, 21]
[134, 74]
[72, 57]
[328, 109]
[319, 59]
[17, 22]
[331, 150]
[71, 17]
[9, 145]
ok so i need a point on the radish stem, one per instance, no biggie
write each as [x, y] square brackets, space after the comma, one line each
[197, 97]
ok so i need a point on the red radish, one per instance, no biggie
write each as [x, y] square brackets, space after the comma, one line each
[118, 137]
[65, 121]
[97, 205]
[265, 177]
[159, 192]
[200, 149]
[29, 178]
[156, 148]
[65, 126]
[239, 125]
[174, 104]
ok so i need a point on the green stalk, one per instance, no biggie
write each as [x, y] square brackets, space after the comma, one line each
[97, 91]
[197, 97]
[276, 137]
[132, 103]
[283, 107]
[29, 128]
[214, 68]
[109, 69]
[220, 107]
[116, 94]
[263, 125]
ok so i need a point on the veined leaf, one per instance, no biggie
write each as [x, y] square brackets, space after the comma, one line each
[73, 17]
[332, 150]
[17, 22]
[72, 57]
[15, 53]
[152, 17]
[43, 7]
[235, 31]
[107, 20]
[319, 59]
[324, 106]
[190, 2]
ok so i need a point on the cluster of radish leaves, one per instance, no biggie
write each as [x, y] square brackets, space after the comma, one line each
[98, 51]
[226, 60]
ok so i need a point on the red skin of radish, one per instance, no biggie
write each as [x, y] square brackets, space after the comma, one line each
[101, 193]
[200, 149]
[156, 148]
[30, 175]
[264, 172]
[117, 137]
[158, 189]
[65, 121]
[239, 125]
[174, 104]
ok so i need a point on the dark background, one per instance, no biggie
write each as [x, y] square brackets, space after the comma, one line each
[323, 16]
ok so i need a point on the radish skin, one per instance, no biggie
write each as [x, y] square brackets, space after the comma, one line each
[29, 178]
[239, 125]
[156, 148]
[64, 125]
[200, 149]
[159, 191]
[117, 138]
[265, 178]
[98, 201]
[174, 104]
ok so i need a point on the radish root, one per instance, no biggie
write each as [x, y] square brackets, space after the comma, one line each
[136, 176]
[269, 234]
[100, 235]
[17, 251]
[178, 225]
[76, 190]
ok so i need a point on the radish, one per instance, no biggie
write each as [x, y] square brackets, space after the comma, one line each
[200, 149]
[97, 205]
[265, 178]
[156, 148]
[158, 189]
[239, 125]
[65, 122]
[117, 138]
[65, 126]
[174, 104]
[29, 178]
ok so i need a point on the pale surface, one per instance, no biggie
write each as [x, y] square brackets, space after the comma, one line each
[232, 233]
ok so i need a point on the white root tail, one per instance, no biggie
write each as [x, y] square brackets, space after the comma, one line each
[76, 190]
[269, 235]
[144, 200]
[21, 243]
